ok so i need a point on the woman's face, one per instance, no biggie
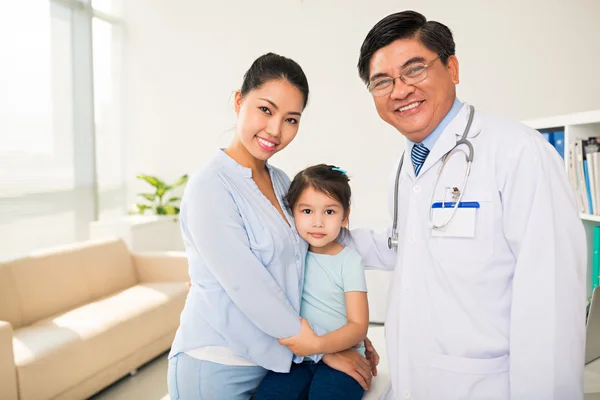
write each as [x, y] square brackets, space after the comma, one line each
[268, 117]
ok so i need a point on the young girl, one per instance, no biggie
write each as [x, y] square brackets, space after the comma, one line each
[334, 295]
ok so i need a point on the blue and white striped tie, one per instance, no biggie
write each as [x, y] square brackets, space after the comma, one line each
[418, 155]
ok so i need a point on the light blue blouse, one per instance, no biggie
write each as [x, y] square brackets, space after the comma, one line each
[246, 265]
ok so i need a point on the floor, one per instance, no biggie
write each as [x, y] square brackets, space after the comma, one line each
[150, 383]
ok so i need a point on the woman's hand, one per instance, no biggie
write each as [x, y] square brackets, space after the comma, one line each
[305, 343]
[372, 356]
[352, 363]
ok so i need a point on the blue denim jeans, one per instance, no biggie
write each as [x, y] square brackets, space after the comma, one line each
[191, 379]
[309, 381]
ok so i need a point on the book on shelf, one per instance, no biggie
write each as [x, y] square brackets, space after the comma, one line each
[596, 258]
[557, 139]
[584, 173]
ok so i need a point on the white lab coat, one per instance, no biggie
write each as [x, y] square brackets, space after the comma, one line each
[500, 315]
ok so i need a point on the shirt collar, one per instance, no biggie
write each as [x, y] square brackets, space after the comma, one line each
[223, 159]
[430, 140]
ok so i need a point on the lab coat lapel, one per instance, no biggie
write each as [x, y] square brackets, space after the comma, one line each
[448, 138]
[407, 166]
[444, 144]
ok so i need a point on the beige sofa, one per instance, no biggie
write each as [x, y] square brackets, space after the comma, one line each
[76, 319]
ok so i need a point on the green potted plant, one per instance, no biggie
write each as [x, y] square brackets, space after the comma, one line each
[159, 202]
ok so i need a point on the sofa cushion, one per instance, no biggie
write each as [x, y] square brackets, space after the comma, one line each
[49, 283]
[56, 354]
[108, 267]
[9, 304]
[60, 279]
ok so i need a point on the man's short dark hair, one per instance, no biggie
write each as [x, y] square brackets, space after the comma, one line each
[435, 36]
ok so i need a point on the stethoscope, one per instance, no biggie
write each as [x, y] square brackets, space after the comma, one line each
[456, 193]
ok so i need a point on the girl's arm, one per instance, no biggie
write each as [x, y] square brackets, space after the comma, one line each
[355, 331]
[357, 315]
[306, 342]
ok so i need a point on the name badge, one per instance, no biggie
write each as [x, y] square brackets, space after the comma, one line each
[462, 223]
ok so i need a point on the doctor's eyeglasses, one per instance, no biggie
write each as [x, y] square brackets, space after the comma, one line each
[415, 73]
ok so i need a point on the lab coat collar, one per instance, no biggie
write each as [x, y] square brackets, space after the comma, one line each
[450, 136]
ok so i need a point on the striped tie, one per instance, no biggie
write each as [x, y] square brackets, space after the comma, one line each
[418, 155]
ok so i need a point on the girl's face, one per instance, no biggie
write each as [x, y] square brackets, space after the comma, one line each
[319, 218]
[268, 117]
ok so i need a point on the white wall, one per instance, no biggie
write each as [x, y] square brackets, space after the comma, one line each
[184, 58]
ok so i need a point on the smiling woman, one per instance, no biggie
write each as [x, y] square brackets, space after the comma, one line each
[246, 259]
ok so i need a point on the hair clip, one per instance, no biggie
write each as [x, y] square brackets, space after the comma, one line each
[338, 170]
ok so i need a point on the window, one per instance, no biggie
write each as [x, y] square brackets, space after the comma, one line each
[110, 7]
[48, 182]
[110, 163]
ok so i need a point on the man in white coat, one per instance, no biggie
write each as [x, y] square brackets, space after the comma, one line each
[491, 306]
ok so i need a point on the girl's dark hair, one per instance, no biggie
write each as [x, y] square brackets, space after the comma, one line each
[270, 67]
[435, 36]
[323, 178]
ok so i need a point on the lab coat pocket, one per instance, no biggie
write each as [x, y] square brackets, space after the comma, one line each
[459, 378]
[468, 237]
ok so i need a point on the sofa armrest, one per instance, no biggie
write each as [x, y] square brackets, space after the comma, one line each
[8, 370]
[168, 266]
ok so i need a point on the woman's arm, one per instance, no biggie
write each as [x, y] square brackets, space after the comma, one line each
[215, 228]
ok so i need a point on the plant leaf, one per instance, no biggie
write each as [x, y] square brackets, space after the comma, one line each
[160, 210]
[150, 179]
[154, 181]
[173, 199]
[161, 191]
[148, 196]
[180, 181]
[171, 210]
[142, 208]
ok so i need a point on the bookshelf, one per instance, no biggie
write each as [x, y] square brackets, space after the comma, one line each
[590, 217]
[576, 127]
